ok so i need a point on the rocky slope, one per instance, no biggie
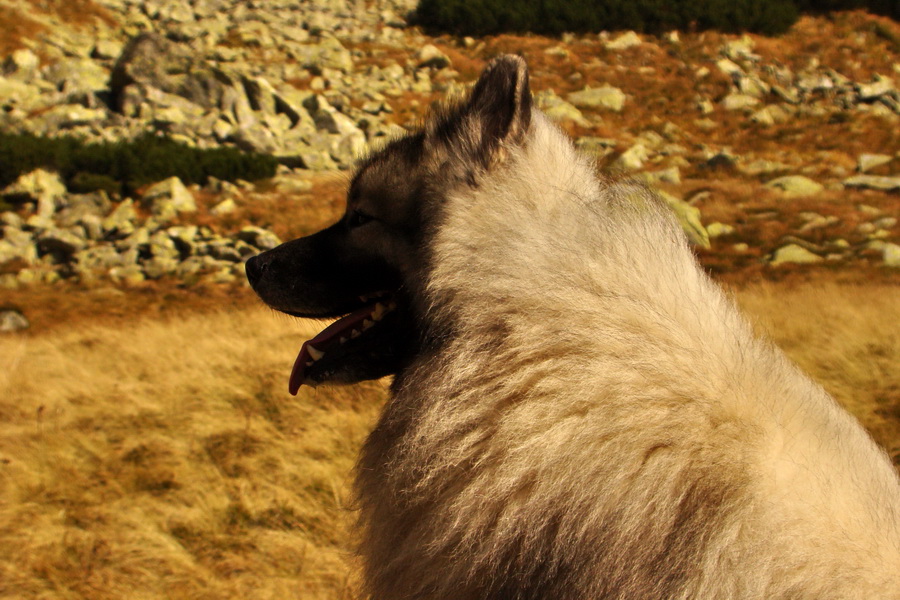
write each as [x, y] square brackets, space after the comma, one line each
[773, 152]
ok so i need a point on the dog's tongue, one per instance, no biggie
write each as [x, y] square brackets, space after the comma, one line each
[338, 332]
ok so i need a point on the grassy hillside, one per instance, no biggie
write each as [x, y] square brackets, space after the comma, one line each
[163, 457]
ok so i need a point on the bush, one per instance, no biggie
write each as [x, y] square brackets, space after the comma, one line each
[553, 17]
[126, 166]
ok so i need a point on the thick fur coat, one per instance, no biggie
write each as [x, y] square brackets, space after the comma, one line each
[585, 414]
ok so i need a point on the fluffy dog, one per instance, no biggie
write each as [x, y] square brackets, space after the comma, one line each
[578, 412]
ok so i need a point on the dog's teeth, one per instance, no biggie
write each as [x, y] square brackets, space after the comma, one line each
[354, 334]
[315, 353]
[378, 312]
[342, 340]
[367, 324]
[310, 363]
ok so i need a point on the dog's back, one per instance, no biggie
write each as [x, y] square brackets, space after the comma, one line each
[593, 418]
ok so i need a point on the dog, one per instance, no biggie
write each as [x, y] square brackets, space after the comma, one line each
[578, 412]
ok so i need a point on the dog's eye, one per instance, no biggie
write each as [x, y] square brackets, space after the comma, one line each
[357, 218]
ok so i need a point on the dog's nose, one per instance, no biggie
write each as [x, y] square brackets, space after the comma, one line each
[255, 267]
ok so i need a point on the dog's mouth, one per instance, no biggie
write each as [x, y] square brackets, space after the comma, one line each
[358, 345]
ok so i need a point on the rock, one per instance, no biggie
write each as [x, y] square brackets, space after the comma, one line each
[11, 320]
[429, 57]
[795, 185]
[261, 94]
[184, 238]
[739, 102]
[159, 266]
[328, 54]
[730, 68]
[771, 115]
[558, 109]
[793, 253]
[151, 61]
[167, 198]
[873, 182]
[77, 75]
[879, 87]
[44, 187]
[107, 49]
[97, 258]
[867, 162]
[633, 158]
[79, 206]
[225, 207]
[689, 218]
[17, 245]
[716, 230]
[741, 49]
[259, 237]
[816, 221]
[131, 274]
[629, 39]
[61, 244]
[606, 97]
[121, 220]
[891, 255]
[67, 116]
[21, 64]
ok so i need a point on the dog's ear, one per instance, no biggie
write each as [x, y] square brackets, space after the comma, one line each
[501, 100]
[497, 113]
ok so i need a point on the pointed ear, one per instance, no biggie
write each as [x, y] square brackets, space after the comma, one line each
[497, 113]
[501, 101]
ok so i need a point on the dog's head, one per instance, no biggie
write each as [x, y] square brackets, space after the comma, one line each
[368, 267]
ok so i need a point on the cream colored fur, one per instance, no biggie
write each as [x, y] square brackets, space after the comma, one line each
[600, 421]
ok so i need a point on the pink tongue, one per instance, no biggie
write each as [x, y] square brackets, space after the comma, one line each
[322, 340]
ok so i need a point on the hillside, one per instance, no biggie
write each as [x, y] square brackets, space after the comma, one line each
[148, 446]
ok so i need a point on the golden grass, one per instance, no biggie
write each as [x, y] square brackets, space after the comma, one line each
[166, 460]
[163, 457]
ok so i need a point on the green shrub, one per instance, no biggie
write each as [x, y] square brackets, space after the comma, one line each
[127, 165]
[553, 17]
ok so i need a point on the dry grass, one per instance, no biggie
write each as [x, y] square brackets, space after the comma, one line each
[163, 457]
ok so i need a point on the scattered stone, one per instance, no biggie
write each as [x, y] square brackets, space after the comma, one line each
[558, 109]
[21, 64]
[795, 186]
[689, 218]
[867, 162]
[43, 187]
[793, 253]
[606, 97]
[740, 102]
[12, 320]
[225, 207]
[716, 230]
[873, 182]
[880, 86]
[891, 255]
[259, 238]
[168, 198]
[633, 158]
[429, 57]
[629, 39]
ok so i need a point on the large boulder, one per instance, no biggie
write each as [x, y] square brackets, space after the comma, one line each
[151, 61]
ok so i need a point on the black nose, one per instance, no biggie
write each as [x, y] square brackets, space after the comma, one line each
[255, 267]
